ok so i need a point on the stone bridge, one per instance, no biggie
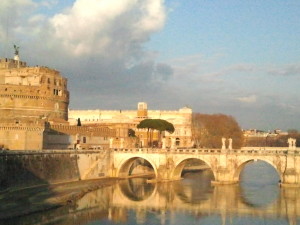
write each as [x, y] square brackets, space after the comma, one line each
[225, 164]
[20, 167]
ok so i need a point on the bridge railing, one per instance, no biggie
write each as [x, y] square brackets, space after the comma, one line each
[256, 151]
[274, 151]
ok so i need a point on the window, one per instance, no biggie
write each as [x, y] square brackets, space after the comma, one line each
[84, 140]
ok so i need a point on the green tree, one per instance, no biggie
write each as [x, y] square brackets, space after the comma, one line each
[208, 130]
[155, 124]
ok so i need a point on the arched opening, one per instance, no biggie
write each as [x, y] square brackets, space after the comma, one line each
[190, 165]
[258, 183]
[137, 189]
[177, 141]
[195, 183]
[136, 167]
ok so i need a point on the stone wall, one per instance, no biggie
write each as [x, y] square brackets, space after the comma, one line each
[20, 136]
[80, 137]
[24, 168]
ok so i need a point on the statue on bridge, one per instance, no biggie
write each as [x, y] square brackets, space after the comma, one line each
[224, 143]
[292, 143]
[230, 144]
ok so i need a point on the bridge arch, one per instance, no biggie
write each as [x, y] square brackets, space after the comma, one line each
[242, 165]
[179, 166]
[124, 168]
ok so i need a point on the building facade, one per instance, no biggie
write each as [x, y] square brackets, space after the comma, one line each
[123, 120]
[34, 111]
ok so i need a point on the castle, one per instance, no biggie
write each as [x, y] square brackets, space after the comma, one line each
[34, 115]
[34, 110]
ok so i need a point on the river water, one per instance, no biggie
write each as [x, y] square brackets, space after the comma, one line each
[256, 200]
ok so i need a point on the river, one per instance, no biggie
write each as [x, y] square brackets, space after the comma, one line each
[193, 200]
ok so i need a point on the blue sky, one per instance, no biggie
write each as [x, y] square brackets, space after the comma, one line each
[240, 58]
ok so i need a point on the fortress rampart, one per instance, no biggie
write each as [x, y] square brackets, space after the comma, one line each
[22, 169]
[32, 91]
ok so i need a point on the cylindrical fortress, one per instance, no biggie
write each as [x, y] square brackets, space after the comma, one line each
[33, 92]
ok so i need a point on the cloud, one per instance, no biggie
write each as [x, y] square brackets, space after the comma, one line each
[285, 70]
[100, 47]
[248, 99]
[13, 13]
[97, 45]
[92, 27]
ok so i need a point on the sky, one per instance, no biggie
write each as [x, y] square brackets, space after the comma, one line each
[240, 58]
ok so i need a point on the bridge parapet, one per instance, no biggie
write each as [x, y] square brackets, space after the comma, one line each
[251, 151]
[226, 164]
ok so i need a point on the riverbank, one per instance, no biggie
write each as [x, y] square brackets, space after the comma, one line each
[29, 200]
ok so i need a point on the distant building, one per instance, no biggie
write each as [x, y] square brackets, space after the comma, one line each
[258, 138]
[255, 133]
[123, 120]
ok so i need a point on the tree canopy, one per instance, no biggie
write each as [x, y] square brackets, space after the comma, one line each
[156, 124]
[208, 130]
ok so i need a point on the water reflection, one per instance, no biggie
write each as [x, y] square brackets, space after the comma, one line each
[259, 184]
[195, 187]
[136, 189]
[192, 200]
[189, 201]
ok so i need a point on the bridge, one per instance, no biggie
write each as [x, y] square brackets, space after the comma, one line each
[225, 164]
[165, 164]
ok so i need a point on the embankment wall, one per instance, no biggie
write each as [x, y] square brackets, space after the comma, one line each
[29, 168]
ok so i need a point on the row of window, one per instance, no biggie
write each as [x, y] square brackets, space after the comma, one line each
[84, 139]
[57, 92]
[91, 119]
[55, 82]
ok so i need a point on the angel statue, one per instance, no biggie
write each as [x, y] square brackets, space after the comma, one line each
[16, 50]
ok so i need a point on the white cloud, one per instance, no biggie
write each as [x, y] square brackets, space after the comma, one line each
[108, 26]
[13, 13]
[248, 99]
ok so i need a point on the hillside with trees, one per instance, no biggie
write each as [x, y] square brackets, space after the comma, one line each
[208, 130]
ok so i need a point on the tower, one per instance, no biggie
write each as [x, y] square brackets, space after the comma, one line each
[142, 110]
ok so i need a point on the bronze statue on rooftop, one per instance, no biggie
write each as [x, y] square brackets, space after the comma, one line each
[16, 49]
